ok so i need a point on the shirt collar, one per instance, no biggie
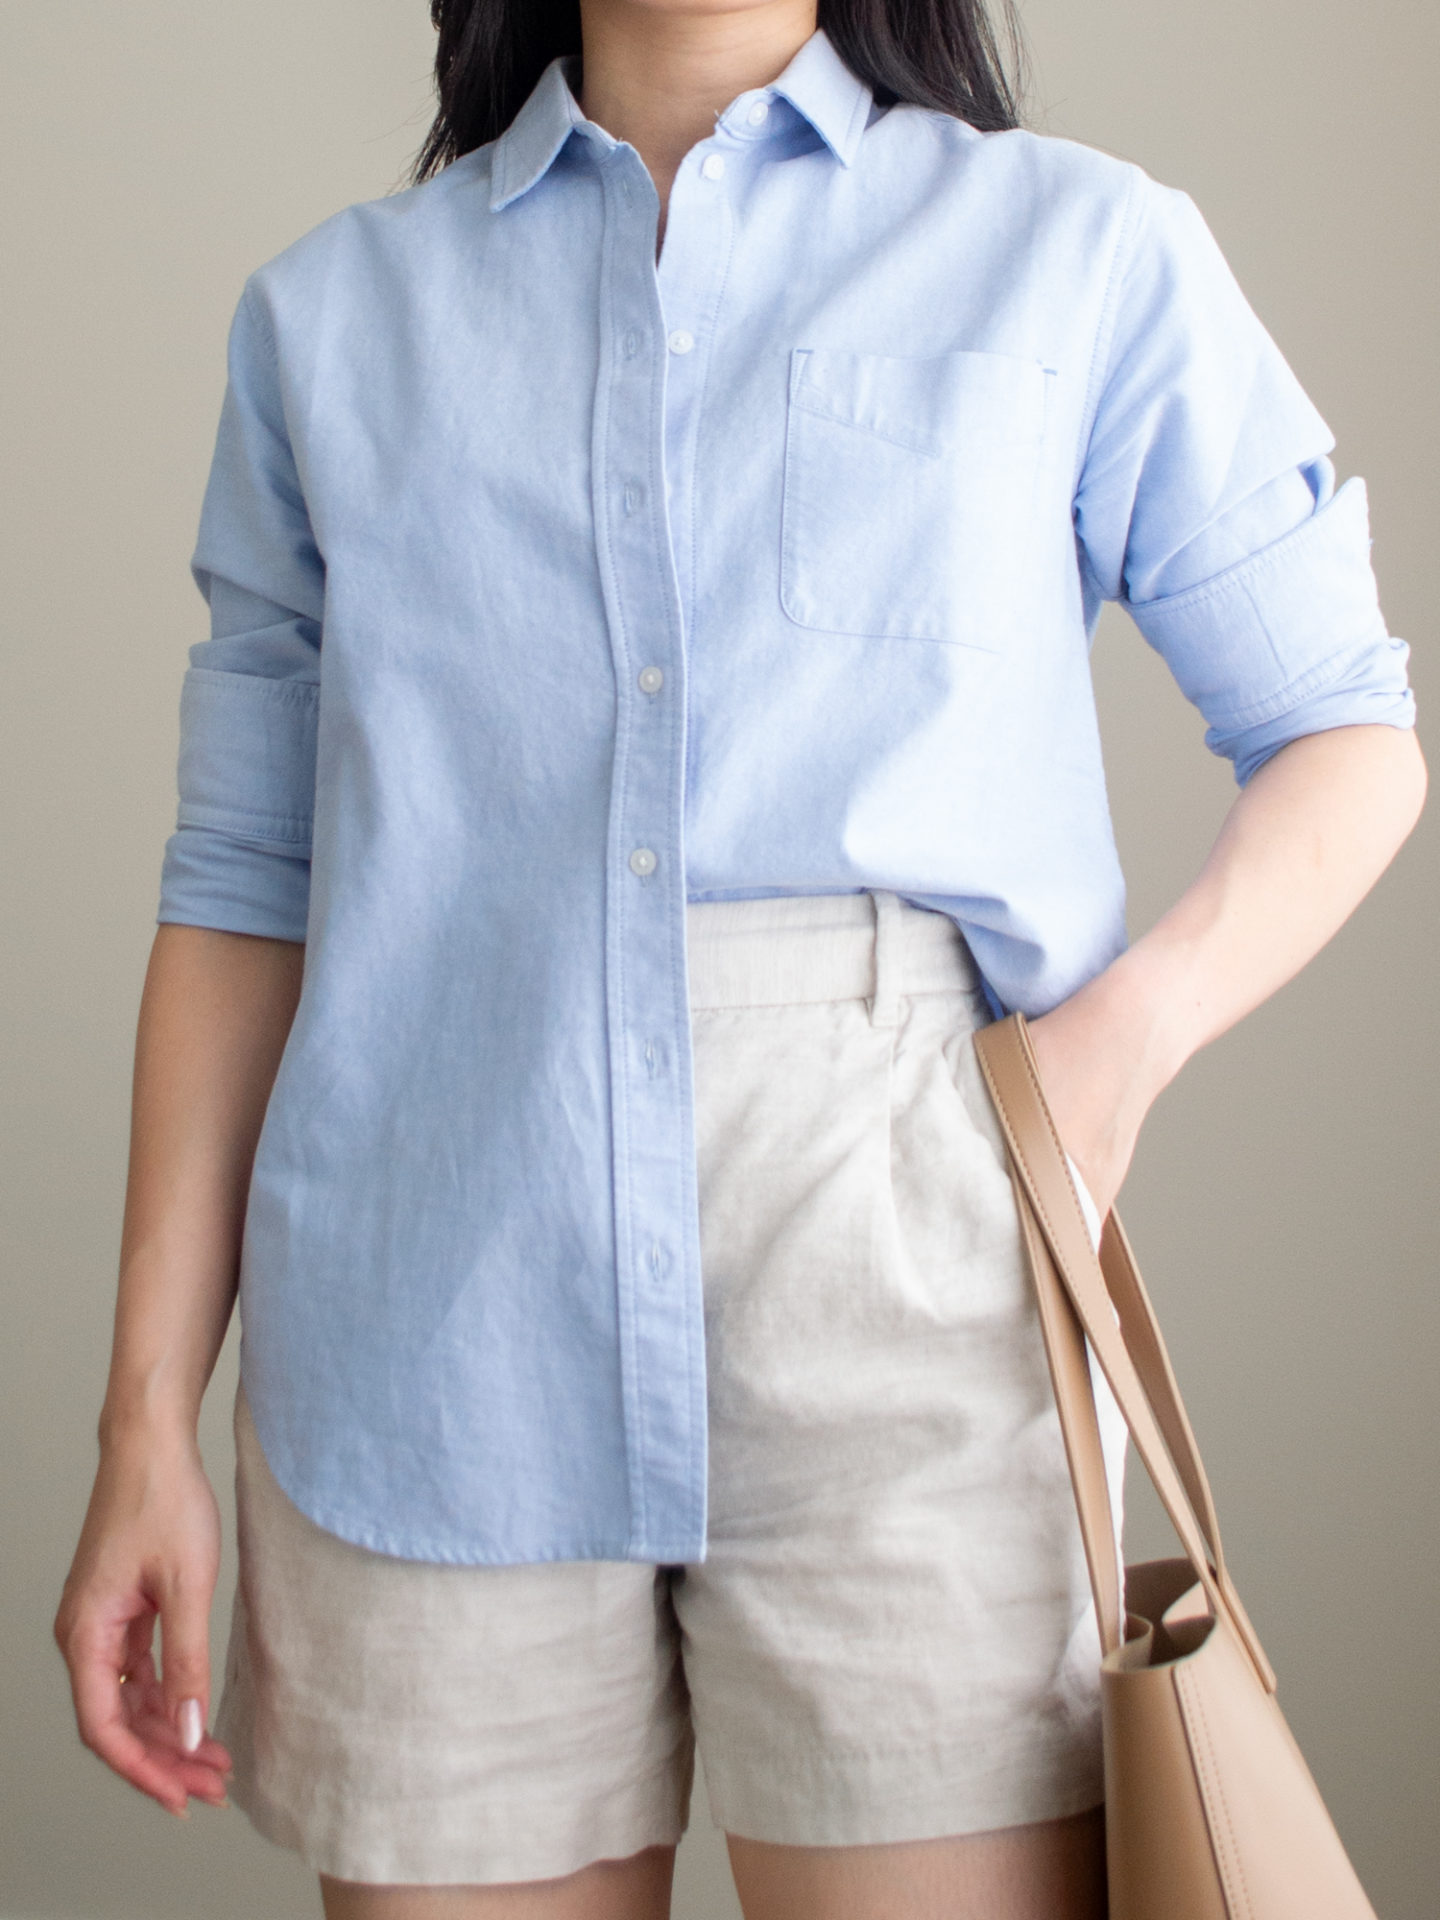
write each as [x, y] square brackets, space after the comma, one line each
[836, 102]
[817, 83]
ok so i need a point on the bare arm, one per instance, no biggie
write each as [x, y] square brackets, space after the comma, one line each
[1301, 847]
[214, 1017]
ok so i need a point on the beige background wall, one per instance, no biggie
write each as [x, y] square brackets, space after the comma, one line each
[1284, 1197]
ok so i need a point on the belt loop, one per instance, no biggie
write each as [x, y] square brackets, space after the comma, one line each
[884, 1005]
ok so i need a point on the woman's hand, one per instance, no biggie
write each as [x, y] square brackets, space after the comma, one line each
[1102, 1062]
[149, 1549]
[213, 1022]
[1301, 846]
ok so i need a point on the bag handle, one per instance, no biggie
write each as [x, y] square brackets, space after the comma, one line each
[1102, 1298]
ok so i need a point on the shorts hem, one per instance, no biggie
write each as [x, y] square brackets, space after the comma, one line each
[562, 1849]
[861, 1811]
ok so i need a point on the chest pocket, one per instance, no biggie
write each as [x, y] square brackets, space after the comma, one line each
[908, 492]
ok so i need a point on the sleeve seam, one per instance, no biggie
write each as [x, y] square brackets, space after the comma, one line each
[304, 693]
[292, 829]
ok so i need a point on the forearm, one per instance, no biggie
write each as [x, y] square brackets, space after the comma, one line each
[1302, 845]
[214, 1017]
[1299, 850]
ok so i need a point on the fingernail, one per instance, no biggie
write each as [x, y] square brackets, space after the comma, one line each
[191, 1726]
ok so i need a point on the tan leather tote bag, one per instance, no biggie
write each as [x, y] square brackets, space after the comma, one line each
[1210, 1810]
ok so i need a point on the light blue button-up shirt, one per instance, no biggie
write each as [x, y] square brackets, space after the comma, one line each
[550, 587]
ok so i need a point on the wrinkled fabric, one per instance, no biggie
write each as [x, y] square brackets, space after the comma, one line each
[551, 589]
[891, 1636]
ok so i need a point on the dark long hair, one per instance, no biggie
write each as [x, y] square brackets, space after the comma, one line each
[947, 54]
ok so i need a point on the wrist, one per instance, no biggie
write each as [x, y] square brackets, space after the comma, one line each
[147, 1415]
[1151, 1008]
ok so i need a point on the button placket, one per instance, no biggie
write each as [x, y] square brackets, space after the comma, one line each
[691, 272]
[661, 1328]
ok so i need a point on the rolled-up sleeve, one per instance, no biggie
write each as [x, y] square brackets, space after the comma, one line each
[239, 858]
[1206, 505]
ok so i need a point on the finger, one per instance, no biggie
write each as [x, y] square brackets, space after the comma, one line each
[145, 1751]
[150, 1722]
[100, 1715]
[152, 1727]
[139, 1660]
[212, 1753]
[185, 1658]
[203, 1782]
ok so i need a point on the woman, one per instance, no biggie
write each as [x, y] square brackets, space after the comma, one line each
[651, 564]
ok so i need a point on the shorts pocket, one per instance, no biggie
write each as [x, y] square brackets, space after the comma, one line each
[908, 492]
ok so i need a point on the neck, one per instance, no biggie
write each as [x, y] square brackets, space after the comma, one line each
[657, 75]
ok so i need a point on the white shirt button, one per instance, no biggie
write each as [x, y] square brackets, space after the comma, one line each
[651, 679]
[643, 862]
[759, 113]
[681, 341]
[713, 166]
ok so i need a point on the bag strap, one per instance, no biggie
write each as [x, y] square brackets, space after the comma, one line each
[1102, 1299]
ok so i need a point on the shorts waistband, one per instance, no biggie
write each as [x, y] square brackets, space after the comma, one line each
[806, 949]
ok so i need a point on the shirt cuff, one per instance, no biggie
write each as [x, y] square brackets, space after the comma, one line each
[211, 879]
[1287, 642]
[239, 859]
[1363, 694]
[247, 757]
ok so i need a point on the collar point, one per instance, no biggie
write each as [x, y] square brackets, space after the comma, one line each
[835, 100]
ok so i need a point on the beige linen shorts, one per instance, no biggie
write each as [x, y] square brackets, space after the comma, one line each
[891, 1636]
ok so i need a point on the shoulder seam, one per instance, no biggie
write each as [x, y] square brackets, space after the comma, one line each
[261, 322]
